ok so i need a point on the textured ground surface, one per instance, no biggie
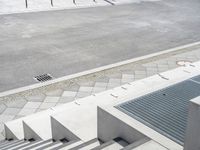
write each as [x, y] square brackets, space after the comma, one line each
[70, 41]
[28, 102]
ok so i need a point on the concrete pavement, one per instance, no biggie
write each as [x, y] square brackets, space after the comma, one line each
[70, 41]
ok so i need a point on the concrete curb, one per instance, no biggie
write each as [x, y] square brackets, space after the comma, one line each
[38, 85]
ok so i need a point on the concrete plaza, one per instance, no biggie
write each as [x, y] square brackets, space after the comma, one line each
[70, 41]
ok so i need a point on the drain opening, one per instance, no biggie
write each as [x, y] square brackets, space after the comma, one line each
[43, 78]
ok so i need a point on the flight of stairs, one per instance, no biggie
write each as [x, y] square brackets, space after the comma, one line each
[57, 129]
[69, 126]
[63, 144]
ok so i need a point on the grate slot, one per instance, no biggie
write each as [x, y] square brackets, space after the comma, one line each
[43, 78]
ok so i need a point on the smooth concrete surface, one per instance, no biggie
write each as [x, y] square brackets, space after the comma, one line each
[109, 127]
[192, 136]
[82, 124]
[151, 145]
[70, 41]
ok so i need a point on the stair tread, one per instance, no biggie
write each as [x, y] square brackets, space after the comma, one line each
[91, 146]
[38, 145]
[9, 143]
[27, 145]
[112, 144]
[150, 145]
[15, 146]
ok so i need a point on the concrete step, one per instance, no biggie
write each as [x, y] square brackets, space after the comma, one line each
[59, 131]
[38, 145]
[32, 143]
[15, 146]
[116, 144]
[136, 143]
[8, 143]
[37, 127]
[91, 146]
[87, 145]
[69, 145]
[3, 142]
[50, 146]
[81, 126]
[14, 130]
[150, 145]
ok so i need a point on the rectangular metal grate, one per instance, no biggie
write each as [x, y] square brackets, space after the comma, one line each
[43, 77]
[165, 110]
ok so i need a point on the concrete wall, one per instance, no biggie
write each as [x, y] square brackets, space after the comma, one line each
[192, 137]
[110, 127]
[60, 132]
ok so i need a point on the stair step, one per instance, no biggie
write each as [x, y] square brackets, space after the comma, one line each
[150, 145]
[85, 127]
[51, 146]
[115, 144]
[136, 143]
[91, 146]
[87, 145]
[3, 142]
[8, 143]
[110, 145]
[27, 145]
[16, 145]
[37, 127]
[59, 131]
[69, 145]
[38, 145]
[14, 130]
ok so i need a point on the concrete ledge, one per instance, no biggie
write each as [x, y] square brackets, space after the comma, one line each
[142, 129]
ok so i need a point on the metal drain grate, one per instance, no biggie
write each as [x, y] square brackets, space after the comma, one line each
[43, 77]
[165, 110]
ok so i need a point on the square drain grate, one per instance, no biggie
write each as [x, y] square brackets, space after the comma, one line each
[165, 110]
[43, 78]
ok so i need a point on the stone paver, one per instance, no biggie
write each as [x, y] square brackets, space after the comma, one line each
[32, 105]
[66, 99]
[46, 105]
[36, 98]
[2, 107]
[11, 111]
[27, 111]
[12, 107]
[19, 103]
[57, 92]
[49, 99]
[69, 94]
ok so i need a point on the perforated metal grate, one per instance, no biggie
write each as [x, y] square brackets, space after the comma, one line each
[43, 77]
[165, 110]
